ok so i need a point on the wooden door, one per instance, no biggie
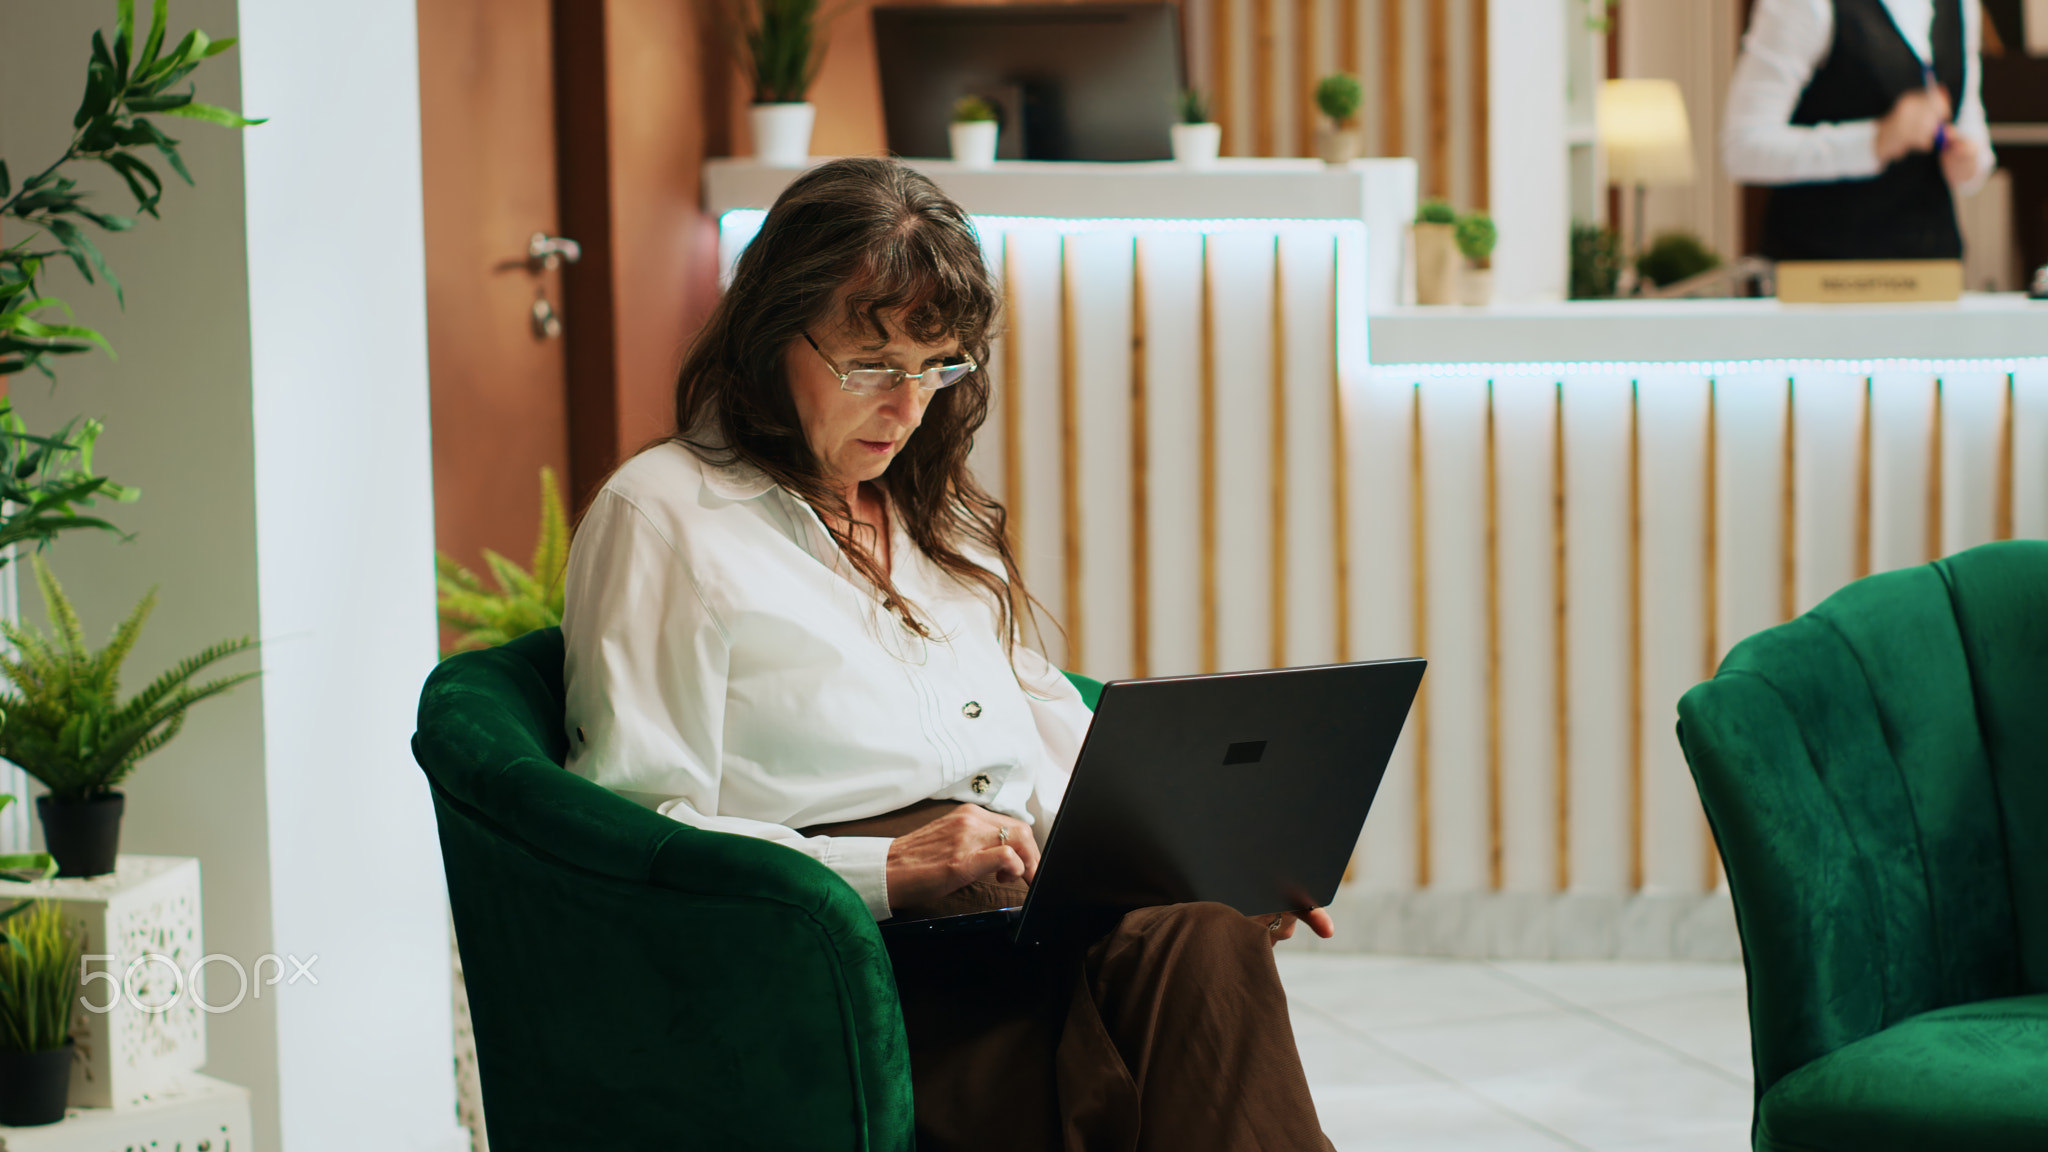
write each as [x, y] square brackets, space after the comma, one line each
[499, 389]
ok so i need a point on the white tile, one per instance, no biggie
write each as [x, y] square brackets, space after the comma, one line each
[1336, 1057]
[1598, 983]
[1436, 1118]
[1371, 992]
[1574, 1076]
[1712, 1027]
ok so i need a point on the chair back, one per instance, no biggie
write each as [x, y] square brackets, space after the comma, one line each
[1876, 775]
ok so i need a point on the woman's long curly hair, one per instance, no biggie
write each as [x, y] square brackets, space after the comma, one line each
[910, 256]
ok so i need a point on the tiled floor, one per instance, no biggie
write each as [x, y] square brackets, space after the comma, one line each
[1408, 1055]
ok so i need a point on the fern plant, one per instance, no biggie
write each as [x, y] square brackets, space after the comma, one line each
[64, 723]
[526, 599]
[39, 977]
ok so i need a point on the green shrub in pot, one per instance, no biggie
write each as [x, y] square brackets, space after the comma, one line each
[62, 720]
[39, 979]
[526, 598]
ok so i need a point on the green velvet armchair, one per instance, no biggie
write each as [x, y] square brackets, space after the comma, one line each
[636, 983]
[1876, 774]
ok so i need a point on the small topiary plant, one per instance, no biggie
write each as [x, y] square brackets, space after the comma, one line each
[1339, 96]
[1675, 256]
[1194, 107]
[1435, 211]
[971, 109]
[1476, 236]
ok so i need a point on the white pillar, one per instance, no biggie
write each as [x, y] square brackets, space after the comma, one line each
[271, 401]
[1527, 153]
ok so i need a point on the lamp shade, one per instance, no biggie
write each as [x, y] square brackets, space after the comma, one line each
[1645, 133]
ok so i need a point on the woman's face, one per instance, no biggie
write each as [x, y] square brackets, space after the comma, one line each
[855, 436]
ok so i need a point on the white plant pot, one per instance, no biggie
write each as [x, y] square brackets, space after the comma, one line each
[1475, 287]
[1196, 145]
[974, 143]
[782, 134]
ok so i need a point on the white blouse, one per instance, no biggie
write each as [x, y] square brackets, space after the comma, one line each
[1785, 44]
[728, 667]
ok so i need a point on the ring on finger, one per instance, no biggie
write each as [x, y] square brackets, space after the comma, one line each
[1003, 835]
[1278, 920]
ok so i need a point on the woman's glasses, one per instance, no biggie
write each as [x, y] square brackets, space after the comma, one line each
[876, 381]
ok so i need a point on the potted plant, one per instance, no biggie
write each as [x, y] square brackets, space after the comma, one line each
[1595, 262]
[973, 132]
[1339, 96]
[526, 599]
[64, 724]
[1672, 257]
[780, 47]
[1196, 140]
[1436, 253]
[39, 978]
[1475, 236]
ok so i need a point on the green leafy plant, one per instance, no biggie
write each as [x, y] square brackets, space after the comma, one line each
[23, 865]
[1339, 95]
[1476, 237]
[1595, 262]
[47, 477]
[44, 480]
[63, 721]
[780, 45]
[1675, 256]
[1194, 106]
[39, 977]
[1435, 211]
[972, 109]
[525, 599]
[123, 82]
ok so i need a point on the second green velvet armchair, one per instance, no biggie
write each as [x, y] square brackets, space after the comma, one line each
[1876, 774]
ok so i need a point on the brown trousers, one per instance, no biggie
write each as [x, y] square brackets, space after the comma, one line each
[1170, 1032]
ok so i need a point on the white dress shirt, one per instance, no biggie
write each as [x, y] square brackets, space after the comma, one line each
[728, 667]
[1785, 44]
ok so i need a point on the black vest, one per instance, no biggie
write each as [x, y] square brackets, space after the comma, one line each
[1903, 213]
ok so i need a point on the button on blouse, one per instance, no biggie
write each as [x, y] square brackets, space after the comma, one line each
[728, 667]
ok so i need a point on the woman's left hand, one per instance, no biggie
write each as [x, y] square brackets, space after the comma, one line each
[1281, 926]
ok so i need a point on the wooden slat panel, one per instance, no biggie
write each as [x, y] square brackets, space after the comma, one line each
[1265, 46]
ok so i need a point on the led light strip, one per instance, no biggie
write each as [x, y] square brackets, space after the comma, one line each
[1715, 368]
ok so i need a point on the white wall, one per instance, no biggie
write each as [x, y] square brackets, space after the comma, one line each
[271, 401]
[1527, 151]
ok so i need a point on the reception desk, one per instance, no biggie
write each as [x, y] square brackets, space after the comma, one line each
[1220, 455]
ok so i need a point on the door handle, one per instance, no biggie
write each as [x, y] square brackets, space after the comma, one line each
[551, 252]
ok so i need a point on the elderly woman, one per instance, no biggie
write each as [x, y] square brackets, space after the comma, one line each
[799, 618]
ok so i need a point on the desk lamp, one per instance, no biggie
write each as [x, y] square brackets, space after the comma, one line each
[1647, 139]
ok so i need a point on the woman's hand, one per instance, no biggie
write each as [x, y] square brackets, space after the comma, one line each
[1960, 159]
[1281, 927]
[1912, 123]
[967, 844]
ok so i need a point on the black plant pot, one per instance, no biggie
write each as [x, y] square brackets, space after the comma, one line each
[34, 1085]
[83, 835]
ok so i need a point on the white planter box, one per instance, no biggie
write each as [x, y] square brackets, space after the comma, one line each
[193, 1113]
[148, 907]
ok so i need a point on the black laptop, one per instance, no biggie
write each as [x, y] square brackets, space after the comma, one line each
[1246, 788]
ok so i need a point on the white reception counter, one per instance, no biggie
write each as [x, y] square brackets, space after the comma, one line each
[1978, 327]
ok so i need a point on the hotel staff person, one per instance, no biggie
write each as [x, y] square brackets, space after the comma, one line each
[1868, 118]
